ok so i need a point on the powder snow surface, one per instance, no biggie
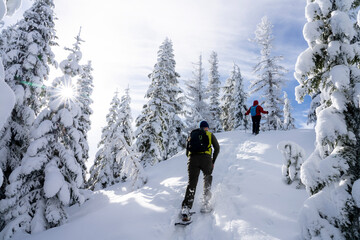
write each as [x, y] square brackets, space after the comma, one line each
[249, 197]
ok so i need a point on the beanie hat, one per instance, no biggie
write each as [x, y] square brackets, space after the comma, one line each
[204, 124]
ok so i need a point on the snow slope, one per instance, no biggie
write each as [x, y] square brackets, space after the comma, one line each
[251, 201]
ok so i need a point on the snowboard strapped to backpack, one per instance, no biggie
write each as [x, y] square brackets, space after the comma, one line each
[198, 141]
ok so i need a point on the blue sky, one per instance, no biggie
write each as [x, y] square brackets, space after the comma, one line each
[122, 38]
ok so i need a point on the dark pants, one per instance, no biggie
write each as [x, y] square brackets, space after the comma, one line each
[196, 164]
[256, 124]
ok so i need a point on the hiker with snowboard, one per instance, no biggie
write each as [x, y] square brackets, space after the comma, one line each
[199, 150]
[256, 111]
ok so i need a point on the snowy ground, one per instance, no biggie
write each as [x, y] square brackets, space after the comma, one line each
[250, 199]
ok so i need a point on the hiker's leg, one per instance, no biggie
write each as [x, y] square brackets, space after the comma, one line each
[254, 124]
[207, 168]
[193, 171]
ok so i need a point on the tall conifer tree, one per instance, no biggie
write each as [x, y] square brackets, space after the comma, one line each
[331, 174]
[228, 100]
[26, 67]
[269, 75]
[214, 94]
[49, 176]
[196, 95]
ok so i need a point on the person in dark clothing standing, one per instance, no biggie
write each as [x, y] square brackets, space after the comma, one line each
[200, 161]
[256, 111]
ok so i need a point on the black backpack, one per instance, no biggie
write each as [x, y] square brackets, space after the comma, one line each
[198, 141]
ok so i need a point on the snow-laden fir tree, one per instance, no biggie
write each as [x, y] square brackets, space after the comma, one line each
[331, 174]
[166, 66]
[84, 90]
[228, 99]
[238, 106]
[6, 93]
[71, 66]
[270, 74]
[214, 94]
[289, 121]
[198, 109]
[26, 64]
[49, 177]
[106, 170]
[159, 133]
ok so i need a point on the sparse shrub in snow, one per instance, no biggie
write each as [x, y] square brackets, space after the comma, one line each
[294, 156]
[329, 68]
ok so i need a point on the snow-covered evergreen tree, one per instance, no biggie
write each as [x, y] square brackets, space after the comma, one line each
[49, 177]
[159, 133]
[331, 173]
[26, 66]
[227, 100]
[238, 106]
[71, 66]
[106, 170]
[166, 66]
[269, 75]
[85, 88]
[6, 93]
[289, 121]
[214, 94]
[196, 95]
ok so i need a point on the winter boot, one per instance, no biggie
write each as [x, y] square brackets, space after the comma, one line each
[185, 214]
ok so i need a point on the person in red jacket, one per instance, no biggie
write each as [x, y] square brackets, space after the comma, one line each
[256, 111]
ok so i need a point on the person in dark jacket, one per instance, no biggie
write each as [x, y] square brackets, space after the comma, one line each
[256, 111]
[197, 162]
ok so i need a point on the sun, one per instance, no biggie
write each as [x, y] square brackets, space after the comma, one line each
[67, 92]
[64, 91]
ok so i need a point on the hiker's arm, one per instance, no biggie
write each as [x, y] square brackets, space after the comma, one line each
[216, 146]
[262, 110]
